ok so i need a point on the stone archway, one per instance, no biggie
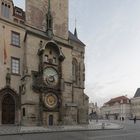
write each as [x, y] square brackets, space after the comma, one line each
[9, 106]
[8, 109]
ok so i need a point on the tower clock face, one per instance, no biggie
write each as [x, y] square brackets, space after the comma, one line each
[51, 100]
[50, 76]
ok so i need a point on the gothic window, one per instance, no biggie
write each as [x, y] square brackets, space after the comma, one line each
[15, 39]
[5, 10]
[15, 65]
[75, 70]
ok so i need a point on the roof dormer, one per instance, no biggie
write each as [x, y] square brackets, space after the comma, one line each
[6, 9]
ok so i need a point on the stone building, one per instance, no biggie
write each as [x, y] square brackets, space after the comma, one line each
[93, 111]
[41, 65]
[117, 108]
[135, 104]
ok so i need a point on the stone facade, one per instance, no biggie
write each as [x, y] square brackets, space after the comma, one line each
[42, 66]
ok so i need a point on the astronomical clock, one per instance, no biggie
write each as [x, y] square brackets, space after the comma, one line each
[46, 81]
[50, 76]
[51, 100]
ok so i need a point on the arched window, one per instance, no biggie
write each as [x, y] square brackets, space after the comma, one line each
[75, 71]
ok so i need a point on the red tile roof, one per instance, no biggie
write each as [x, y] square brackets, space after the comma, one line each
[118, 100]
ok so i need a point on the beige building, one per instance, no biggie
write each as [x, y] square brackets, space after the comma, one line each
[117, 108]
[41, 64]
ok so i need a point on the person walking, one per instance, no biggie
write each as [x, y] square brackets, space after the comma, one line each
[135, 120]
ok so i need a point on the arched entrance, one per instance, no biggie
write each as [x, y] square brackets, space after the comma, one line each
[50, 120]
[8, 109]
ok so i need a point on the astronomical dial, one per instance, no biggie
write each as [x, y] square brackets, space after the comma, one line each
[50, 76]
[51, 100]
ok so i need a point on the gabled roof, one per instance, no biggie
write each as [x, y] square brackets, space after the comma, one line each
[75, 39]
[137, 94]
[117, 100]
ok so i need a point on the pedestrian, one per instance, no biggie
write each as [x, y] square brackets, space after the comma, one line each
[135, 120]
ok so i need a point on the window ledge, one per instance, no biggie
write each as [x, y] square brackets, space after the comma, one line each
[15, 74]
[15, 45]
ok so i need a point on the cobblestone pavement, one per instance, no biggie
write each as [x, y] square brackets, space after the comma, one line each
[130, 131]
[9, 130]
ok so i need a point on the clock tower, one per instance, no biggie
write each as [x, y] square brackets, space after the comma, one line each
[47, 82]
[43, 74]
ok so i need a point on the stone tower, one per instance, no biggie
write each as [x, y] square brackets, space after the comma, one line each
[36, 12]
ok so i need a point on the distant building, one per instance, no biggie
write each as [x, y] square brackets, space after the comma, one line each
[135, 101]
[94, 111]
[117, 108]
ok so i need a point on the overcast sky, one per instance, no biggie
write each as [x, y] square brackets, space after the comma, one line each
[111, 31]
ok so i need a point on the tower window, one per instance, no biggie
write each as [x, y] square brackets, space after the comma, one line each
[5, 10]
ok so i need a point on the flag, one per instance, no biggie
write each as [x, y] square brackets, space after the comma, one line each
[5, 52]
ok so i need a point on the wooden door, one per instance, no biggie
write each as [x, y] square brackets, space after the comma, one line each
[50, 120]
[8, 110]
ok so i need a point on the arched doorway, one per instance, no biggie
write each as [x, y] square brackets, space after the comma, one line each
[8, 109]
[50, 120]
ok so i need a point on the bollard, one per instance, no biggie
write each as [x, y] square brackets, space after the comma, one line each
[103, 125]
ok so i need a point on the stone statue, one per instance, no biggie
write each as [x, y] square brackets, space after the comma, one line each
[8, 77]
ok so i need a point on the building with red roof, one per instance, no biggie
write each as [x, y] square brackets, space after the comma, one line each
[117, 108]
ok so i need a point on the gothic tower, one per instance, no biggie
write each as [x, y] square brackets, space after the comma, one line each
[36, 15]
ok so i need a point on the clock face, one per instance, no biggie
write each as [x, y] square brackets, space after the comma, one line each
[50, 76]
[51, 100]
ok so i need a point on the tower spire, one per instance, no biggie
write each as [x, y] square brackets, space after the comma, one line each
[75, 33]
[49, 6]
[75, 30]
[49, 21]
